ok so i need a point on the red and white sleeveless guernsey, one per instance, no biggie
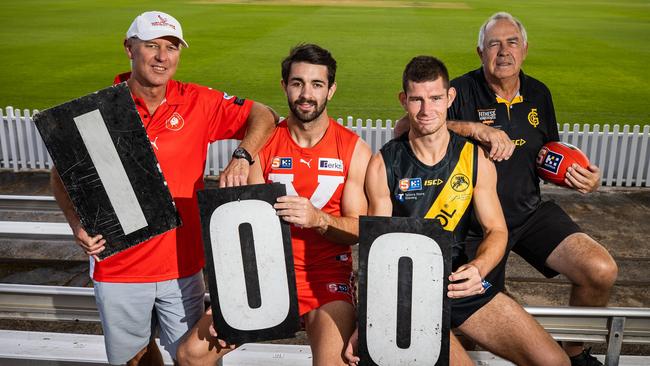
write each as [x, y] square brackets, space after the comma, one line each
[323, 268]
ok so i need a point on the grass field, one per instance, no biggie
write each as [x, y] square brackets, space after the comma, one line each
[593, 55]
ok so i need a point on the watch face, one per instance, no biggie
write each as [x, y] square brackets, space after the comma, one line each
[241, 153]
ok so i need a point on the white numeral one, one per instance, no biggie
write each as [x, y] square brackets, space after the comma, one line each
[103, 154]
[426, 307]
[229, 266]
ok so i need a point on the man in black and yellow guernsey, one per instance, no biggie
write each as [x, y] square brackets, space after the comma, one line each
[434, 173]
[513, 115]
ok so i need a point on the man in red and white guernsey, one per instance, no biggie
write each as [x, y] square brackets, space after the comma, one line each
[160, 281]
[323, 165]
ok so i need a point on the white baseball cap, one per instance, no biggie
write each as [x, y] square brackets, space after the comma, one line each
[155, 24]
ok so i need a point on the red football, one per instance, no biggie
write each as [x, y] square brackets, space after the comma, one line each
[555, 158]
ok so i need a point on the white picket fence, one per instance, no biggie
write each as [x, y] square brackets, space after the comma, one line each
[621, 152]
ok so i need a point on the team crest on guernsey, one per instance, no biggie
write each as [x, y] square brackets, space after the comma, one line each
[175, 122]
[459, 182]
[487, 116]
[281, 163]
[533, 117]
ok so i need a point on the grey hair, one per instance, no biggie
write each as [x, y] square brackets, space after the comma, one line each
[498, 16]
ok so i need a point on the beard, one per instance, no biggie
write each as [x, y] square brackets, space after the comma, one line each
[308, 116]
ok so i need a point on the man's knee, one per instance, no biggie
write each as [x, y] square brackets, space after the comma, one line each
[600, 269]
[148, 356]
[191, 352]
[604, 272]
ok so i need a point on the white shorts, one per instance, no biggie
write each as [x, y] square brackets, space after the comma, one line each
[126, 311]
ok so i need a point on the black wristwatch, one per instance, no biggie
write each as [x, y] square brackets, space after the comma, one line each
[241, 153]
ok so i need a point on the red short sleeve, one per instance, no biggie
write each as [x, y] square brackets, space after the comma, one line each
[227, 116]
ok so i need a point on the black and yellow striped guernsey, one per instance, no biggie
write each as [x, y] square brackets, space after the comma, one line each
[442, 191]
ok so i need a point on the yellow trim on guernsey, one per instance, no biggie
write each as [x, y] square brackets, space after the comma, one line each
[456, 194]
[515, 100]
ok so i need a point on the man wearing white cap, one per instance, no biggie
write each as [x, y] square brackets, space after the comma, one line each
[159, 282]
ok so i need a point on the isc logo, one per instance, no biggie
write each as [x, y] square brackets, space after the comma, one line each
[432, 182]
[410, 184]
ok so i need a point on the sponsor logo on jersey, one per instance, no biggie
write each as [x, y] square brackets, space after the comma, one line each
[410, 184]
[227, 96]
[487, 116]
[551, 161]
[335, 165]
[162, 22]
[281, 163]
[175, 122]
[461, 197]
[154, 143]
[306, 162]
[533, 118]
[400, 197]
[519, 142]
[433, 182]
[338, 287]
[459, 182]
[342, 257]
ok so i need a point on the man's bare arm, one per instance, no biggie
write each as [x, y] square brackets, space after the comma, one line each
[91, 245]
[256, 175]
[342, 229]
[495, 233]
[498, 142]
[490, 216]
[379, 202]
[259, 127]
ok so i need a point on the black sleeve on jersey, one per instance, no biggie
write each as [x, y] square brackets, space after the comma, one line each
[552, 132]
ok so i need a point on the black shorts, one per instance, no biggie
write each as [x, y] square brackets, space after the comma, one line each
[463, 308]
[534, 241]
[541, 234]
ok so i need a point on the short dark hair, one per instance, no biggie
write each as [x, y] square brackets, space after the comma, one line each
[311, 54]
[424, 68]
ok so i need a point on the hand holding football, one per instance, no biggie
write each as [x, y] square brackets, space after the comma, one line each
[555, 158]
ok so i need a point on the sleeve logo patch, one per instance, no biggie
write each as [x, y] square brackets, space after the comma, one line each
[281, 163]
[335, 165]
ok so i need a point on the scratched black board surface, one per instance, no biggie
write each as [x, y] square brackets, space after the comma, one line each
[79, 173]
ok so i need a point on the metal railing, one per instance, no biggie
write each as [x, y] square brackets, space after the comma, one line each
[614, 326]
[621, 152]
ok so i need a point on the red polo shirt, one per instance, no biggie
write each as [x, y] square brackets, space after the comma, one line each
[189, 118]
